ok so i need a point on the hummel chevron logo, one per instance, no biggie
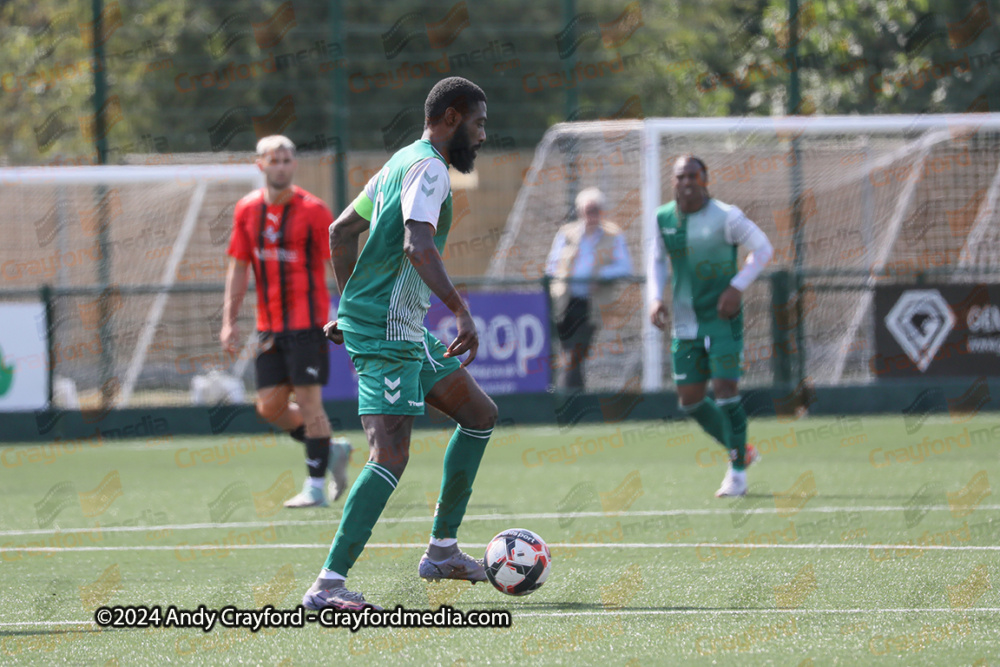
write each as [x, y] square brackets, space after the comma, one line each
[430, 180]
[392, 384]
[392, 398]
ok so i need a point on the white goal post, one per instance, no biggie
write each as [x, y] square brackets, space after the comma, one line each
[868, 186]
[162, 216]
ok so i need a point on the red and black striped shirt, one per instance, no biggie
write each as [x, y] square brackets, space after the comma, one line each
[288, 247]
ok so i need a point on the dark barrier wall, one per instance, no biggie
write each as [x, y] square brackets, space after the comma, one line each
[911, 401]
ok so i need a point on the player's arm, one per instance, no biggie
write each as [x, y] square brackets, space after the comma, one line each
[742, 231]
[346, 229]
[237, 281]
[418, 244]
[426, 187]
[344, 234]
[657, 274]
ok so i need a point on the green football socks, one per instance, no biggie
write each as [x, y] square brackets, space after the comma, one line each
[711, 418]
[733, 408]
[364, 506]
[461, 463]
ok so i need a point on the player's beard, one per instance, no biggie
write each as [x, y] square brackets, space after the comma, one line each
[461, 152]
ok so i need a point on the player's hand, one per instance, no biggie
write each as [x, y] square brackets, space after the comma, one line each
[729, 303]
[229, 337]
[466, 340]
[333, 332]
[658, 315]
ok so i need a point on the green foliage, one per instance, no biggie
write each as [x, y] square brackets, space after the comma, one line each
[194, 76]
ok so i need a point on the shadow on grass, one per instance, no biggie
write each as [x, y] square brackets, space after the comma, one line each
[41, 631]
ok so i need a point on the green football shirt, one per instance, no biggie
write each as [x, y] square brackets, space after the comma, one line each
[702, 248]
[385, 298]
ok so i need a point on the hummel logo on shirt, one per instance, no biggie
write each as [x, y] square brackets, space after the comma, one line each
[430, 181]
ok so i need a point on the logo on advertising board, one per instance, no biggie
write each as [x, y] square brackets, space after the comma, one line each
[24, 376]
[920, 322]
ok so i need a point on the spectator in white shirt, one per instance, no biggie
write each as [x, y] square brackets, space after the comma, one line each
[583, 253]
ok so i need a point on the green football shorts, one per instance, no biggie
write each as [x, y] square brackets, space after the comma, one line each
[716, 353]
[395, 375]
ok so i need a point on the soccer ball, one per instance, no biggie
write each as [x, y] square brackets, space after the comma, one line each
[517, 561]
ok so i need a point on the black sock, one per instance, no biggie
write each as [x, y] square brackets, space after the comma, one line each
[317, 455]
[299, 433]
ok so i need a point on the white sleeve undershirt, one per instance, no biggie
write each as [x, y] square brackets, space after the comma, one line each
[740, 230]
[658, 270]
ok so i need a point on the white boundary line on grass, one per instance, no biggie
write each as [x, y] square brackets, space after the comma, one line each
[639, 612]
[735, 612]
[715, 511]
[557, 545]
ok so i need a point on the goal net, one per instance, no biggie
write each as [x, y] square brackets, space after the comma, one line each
[846, 201]
[135, 259]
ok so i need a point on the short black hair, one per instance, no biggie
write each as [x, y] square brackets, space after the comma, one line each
[456, 92]
[695, 158]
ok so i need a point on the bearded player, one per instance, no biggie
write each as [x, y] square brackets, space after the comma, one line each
[701, 236]
[280, 231]
[407, 210]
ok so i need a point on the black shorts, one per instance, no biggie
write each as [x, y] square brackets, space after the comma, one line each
[294, 357]
[575, 327]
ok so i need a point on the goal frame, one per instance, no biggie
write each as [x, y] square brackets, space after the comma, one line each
[198, 176]
[926, 128]
[654, 129]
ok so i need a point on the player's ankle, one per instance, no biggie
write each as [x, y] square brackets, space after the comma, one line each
[442, 549]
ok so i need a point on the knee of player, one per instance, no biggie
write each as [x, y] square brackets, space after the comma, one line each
[486, 417]
[725, 389]
[269, 410]
[393, 460]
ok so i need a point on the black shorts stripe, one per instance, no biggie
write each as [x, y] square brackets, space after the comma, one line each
[262, 263]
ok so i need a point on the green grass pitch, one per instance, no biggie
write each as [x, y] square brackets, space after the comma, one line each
[859, 543]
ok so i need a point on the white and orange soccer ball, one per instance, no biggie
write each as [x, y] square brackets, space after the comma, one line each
[517, 561]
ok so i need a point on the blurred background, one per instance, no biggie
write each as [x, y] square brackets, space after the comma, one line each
[127, 269]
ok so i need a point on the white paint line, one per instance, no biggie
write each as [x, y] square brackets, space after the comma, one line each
[715, 511]
[631, 612]
[556, 545]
